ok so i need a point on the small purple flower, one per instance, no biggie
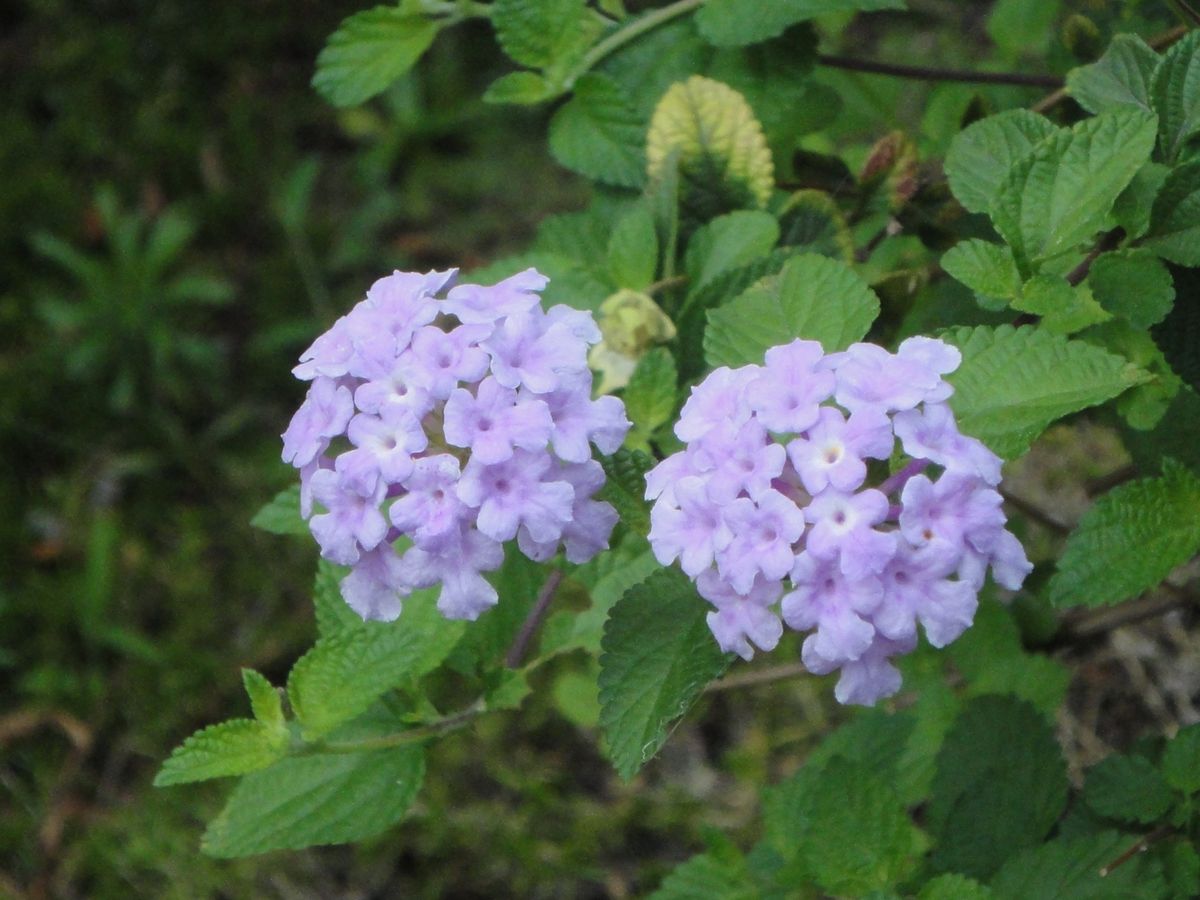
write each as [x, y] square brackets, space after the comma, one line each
[742, 618]
[512, 493]
[838, 607]
[323, 415]
[385, 445]
[868, 679]
[695, 531]
[394, 389]
[831, 451]
[577, 419]
[786, 396]
[526, 350]
[375, 585]
[661, 480]
[869, 376]
[917, 587]
[739, 459]
[843, 529]
[475, 304]
[931, 433]
[764, 531]
[441, 359]
[591, 524]
[719, 398]
[353, 523]
[954, 509]
[465, 592]
[430, 510]
[491, 422]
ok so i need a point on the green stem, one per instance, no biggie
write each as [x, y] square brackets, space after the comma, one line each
[633, 30]
[452, 722]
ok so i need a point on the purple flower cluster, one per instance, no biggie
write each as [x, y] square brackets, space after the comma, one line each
[458, 423]
[770, 503]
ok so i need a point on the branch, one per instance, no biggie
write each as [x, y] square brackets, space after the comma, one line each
[1108, 242]
[529, 627]
[925, 73]
[1140, 847]
[1093, 623]
[757, 677]
[1034, 512]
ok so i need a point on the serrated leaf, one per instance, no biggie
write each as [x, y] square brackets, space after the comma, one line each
[633, 249]
[658, 655]
[665, 54]
[264, 699]
[1174, 231]
[1178, 335]
[718, 140]
[597, 133]
[1130, 540]
[1013, 382]
[814, 297]
[811, 220]
[845, 826]
[650, 396]
[346, 671]
[625, 487]
[369, 51]
[954, 887]
[1121, 77]
[536, 33]
[308, 800]
[332, 612]
[1181, 760]
[734, 23]
[981, 156]
[1175, 89]
[1061, 193]
[1134, 285]
[986, 268]
[1127, 789]
[1063, 308]
[229, 748]
[1135, 204]
[1000, 786]
[282, 514]
[521, 88]
[706, 877]
[1076, 868]
[727, 242]
[1145, 404]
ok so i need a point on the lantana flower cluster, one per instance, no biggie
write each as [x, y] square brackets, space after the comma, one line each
[458, 423]
[769, 508]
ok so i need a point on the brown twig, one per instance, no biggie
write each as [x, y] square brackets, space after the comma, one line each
[926, 73]
[1093, 623]
[757, 677]
[1140, 847]
[1035, 512]
[516, 653]
[1109, 241]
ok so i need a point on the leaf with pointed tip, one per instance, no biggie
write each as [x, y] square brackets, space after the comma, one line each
[1121, 77]
[228, 748]
[369, 51]
[982, 154]
[1175, 90]
[282, 514]
[597, 133]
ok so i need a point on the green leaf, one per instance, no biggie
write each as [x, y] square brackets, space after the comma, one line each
[1145, 404]
[734, 23]
[332, 612]
[1181, 760]
[814, 297]
[846, 826]
[486, 642]
[1174, 230]
[658, 655]
[1127, 789]
[537, 33]
[650, 396]
[1121, 77]
[986, 268]
[521, 88]
[1075, 868]
[506, 689]
[720, 144]
[369, 51]
[954, 887]
[1178, 335]
[1064, 309]
[1135, 204]
[282, 514]
[345, 672]
[1134, 285]
[633, 249]
[234, 747]
[1000, 786]
[981, 156]
[727, 242]
[1175, 90]
[307, 800]
[705, 877]
[811, 220]
[264, 699]
[1130, 540]
[1062, 192]
[625, 487]
[598, 134]
[1013, 382]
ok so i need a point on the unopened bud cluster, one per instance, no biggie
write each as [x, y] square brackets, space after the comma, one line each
[769, 507]
[457, 423]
